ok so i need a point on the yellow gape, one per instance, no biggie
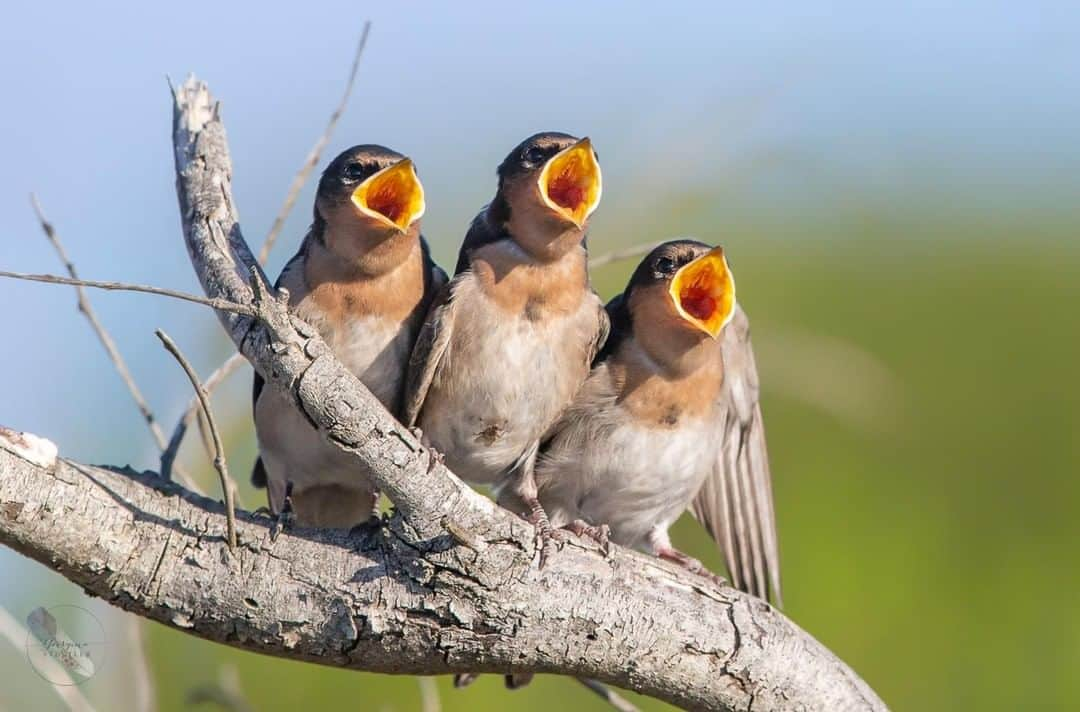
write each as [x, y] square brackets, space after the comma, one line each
[570, 182]
[704, 292]
[393, 195]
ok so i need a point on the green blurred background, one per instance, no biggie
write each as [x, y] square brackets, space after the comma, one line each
[898, 194]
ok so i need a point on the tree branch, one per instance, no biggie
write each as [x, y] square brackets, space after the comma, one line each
[448, 584]
[220, 304]
[388, 601]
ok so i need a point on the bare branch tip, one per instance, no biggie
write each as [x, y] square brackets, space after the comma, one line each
[227, 486]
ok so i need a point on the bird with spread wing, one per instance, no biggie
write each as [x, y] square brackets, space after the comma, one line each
[669, 419]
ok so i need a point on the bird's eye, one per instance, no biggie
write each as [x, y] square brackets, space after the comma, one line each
[354, 171]
[665, 265]
[535, 155]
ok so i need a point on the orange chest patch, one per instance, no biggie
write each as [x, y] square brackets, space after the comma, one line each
[657, 401]
[394, 296]
[532, 291]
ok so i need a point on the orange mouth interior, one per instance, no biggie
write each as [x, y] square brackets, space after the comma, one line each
[570, 182]
[704, 292]
[394, 195]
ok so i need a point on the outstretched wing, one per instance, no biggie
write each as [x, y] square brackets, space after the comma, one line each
[736, 504]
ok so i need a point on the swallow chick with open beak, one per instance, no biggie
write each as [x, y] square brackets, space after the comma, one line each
[667, 420]
[509, 340]
[364, 280]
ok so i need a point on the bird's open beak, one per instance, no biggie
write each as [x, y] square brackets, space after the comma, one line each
[393, 195]
[570, 182]
[704, 292]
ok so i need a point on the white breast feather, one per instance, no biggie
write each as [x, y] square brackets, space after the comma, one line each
[606, 469]
[501, 384]
[374, 349]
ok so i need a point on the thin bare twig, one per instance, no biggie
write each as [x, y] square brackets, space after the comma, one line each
[222, 468]
[168, 456]
[313, 157]
[219, 304]
[624, 254]
[105, 338]
[95, 324]
[610, 696]
[68, 691]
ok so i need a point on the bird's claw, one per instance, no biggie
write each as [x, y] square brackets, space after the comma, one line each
[600, 534]
[690, 564]
[435, 457]
[544, 536]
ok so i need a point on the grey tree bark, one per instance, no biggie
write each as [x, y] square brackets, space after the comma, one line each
[448, 584]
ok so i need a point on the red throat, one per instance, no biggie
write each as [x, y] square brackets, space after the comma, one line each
[385, 201]
[698, 302]
[565, 191]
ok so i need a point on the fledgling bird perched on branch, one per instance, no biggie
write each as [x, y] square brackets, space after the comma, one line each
[511, 337]
[364, 280]
[669, 419]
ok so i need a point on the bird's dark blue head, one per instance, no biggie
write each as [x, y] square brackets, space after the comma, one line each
[687, 280]
[378, 183]
[532, 153]
[557, 170]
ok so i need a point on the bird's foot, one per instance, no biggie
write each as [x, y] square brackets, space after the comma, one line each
[600, 534]
[434, 456]
[689, 563]
[286, 517]
[539, 519]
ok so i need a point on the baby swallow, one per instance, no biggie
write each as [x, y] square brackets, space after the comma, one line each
[364, 280]
[509, 340]
[669, 419]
